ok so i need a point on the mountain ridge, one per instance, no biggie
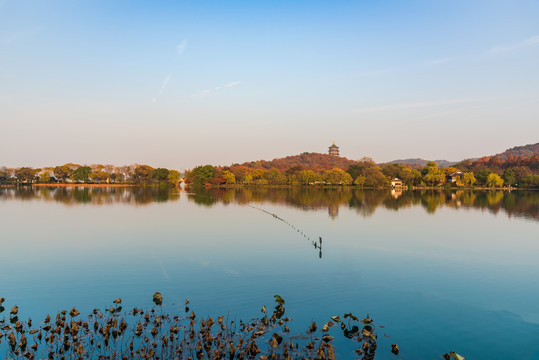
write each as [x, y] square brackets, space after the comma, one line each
[319, 161]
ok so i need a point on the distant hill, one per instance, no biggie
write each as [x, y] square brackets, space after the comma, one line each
[525, 151]
[317, 161]
[314, 161]
[520, 151]
[422, 162]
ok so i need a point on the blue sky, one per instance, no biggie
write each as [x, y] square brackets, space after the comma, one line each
[182, 83]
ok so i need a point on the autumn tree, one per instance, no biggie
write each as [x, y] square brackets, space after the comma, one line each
[174, 177]
[229, 177]
[45, 177]
[468, 179]
[63, 172]
[99, 176]
[26, 174]
[521, 173]
[360, 180]
[143, 173]
[374, 178]
[416, 177]
[392, 170]
[274, 177]
[432, 174]
[337, 176]
[494, 180]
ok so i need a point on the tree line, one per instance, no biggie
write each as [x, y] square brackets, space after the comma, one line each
[367, 174]
[320, 170]
[90, 174]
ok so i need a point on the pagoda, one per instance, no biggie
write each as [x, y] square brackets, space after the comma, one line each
[334, 149]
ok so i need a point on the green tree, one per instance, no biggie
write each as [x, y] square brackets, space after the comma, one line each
[509, 176]
[45, 177]
[160, 174]
[482, 175]
[201, 175]
[81, 174]
[494, 180]
[356, 169]
[63, 172]
[531, 181]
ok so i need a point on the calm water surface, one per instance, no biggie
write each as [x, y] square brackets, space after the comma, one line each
[440, 271]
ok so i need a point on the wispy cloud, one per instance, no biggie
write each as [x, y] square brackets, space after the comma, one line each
[209, 92]
[418, 105]
[446, 113]
[533, 41]
[163, 87]
[232, 84]
[180, 48]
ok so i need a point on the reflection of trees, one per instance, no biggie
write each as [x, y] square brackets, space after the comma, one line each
[92, 195]
[404, 200]
[494, 197]
[432, 199]
[364, 202]
[202, 198]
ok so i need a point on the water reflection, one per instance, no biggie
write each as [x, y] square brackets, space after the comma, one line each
[364, 202]
[91, 195]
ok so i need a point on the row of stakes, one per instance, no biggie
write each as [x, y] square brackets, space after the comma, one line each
[316, 244]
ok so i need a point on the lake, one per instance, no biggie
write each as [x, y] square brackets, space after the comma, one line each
[437, 271]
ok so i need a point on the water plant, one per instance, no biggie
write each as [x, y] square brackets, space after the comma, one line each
[113, 333]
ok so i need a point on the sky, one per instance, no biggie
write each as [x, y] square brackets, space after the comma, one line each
[178, 84]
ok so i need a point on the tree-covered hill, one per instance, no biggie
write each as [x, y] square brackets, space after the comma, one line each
[313, 161]
[520, 152]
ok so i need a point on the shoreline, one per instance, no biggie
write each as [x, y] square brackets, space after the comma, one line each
[69, 185]
[328, 187]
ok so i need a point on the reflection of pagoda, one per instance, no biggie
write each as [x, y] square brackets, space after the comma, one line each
[334, 149]
[333, 211]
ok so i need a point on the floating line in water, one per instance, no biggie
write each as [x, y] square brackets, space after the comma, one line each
[317, 245]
